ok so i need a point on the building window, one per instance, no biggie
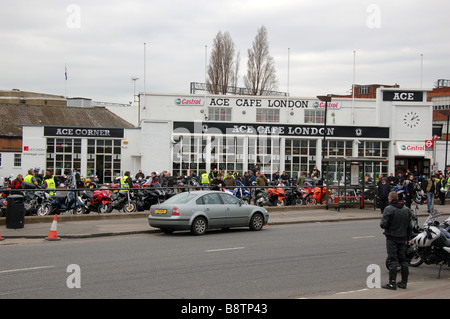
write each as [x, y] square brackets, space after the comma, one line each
[63, 155]
[17, 160]
[268, 115]
[189, 156]
[375, 149]
[219, 114]
[103, 159]
[338, 148]
[299, 157]
[314, 116]
[363, 90]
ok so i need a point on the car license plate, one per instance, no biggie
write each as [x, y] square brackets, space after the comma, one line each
[161, 211]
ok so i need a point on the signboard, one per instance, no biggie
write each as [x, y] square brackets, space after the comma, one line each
[354, 180]
[67, 131]
[429, 144]
[279, 129]
[403, 96]
[410, 148]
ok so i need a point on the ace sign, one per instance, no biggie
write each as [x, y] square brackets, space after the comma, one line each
[429, 144]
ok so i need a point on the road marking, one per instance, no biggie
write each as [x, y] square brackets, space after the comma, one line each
[363, 237]
[223, 249]
[351, 291]
[25, 269]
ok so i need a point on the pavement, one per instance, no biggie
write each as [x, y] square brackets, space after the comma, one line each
[118, 223]
[114, 224]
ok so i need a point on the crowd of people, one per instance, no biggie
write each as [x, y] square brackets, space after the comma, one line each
[34, 178]
[435, 187]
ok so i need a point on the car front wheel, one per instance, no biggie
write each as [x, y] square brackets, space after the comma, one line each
[257, 222]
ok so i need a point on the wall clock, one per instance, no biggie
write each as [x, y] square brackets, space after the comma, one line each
[411, 119]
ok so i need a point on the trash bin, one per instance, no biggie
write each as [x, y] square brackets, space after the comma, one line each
[15, 212]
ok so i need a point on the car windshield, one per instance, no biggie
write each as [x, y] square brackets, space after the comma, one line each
[182, 198]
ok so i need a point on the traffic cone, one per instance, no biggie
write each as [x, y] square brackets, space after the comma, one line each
[52, 234]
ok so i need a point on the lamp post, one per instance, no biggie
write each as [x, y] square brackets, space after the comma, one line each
[326, 99]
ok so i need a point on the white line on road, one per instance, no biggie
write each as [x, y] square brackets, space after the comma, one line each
[363, 237]
[25, 269]
[223, 249]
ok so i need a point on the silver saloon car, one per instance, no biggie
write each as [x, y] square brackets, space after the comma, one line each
[201, 210]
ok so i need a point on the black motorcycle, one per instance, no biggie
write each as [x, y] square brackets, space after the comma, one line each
[260, 197]
[148, 196]
[123, 200]
[292, 196]
[418, 194]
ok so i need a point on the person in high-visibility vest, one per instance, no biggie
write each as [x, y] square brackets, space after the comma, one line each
[30, 177]
[49, 182]
[126, 182]
[205, 180]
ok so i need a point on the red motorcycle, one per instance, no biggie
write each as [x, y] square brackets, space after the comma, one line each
[97, 200]
[308, 197]
[275, 196]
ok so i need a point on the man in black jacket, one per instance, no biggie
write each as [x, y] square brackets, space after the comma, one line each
[382, 193]
[396, 222]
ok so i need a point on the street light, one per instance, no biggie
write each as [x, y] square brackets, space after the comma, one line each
[326, 99]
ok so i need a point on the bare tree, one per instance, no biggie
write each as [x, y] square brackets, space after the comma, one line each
[222, 69]
[261, 74]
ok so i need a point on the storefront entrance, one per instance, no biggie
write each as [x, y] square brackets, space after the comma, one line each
[421, 164]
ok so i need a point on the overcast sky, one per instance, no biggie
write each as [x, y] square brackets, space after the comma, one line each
[102, 43]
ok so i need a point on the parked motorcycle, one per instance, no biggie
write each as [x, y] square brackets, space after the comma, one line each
[122, 200]
[275, 196]
[148, 196]
[3, 205]
[308, 197]
[400, 190]
[292, 196]
[260, 196]
[432, 244]
[419, 195]
[69, 201]
[241, 192]
[96, 200]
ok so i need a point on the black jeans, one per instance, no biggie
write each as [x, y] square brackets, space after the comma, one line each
[397, 255]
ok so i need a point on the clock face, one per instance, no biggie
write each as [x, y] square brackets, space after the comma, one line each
[411, 119]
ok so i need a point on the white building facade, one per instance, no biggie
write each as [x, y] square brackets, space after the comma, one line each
[189, 134]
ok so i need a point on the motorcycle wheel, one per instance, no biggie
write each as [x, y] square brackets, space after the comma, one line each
[78, 210]
[43, 210]
[416, 261]
[129, 207]
[259, 201]
[102, 209]
[418, 199]
[311, 200]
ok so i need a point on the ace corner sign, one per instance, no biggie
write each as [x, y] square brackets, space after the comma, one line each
[95, 132]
